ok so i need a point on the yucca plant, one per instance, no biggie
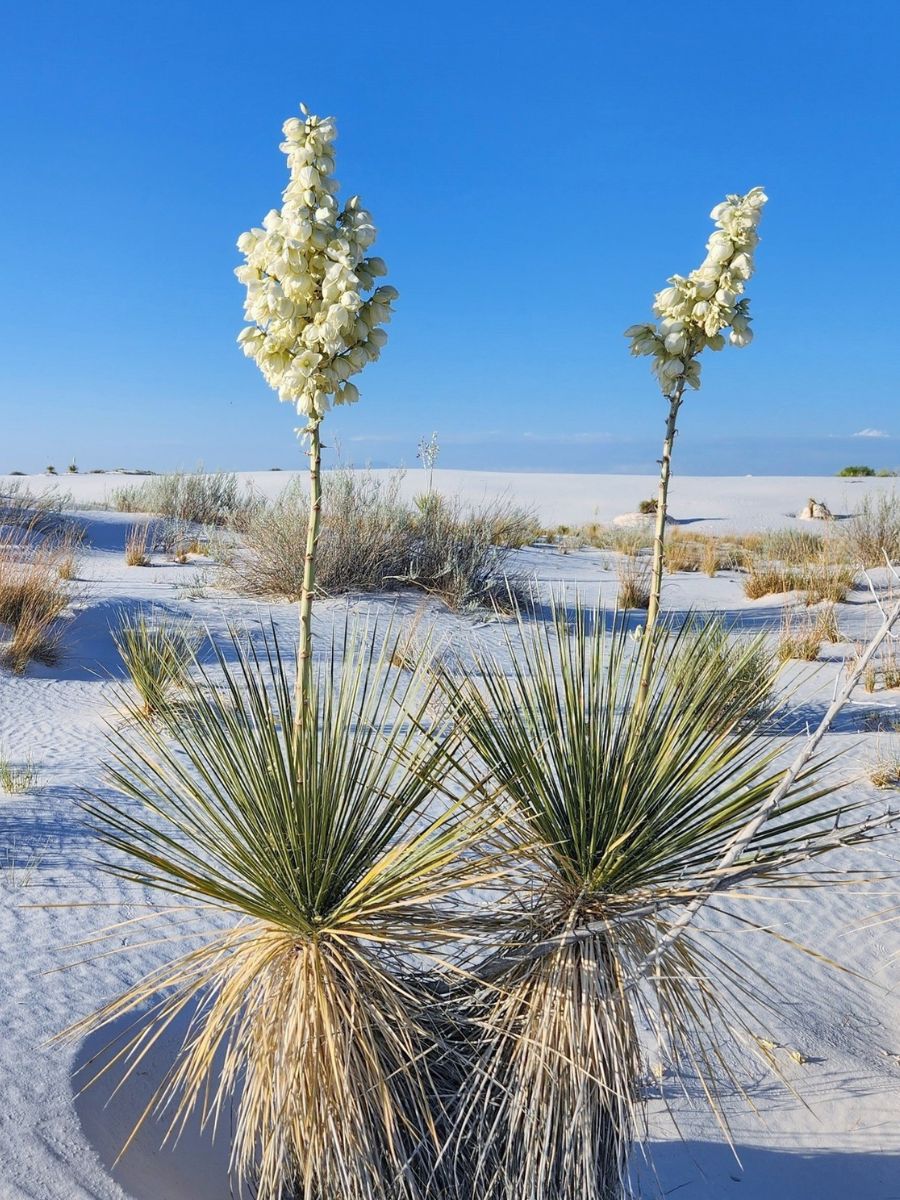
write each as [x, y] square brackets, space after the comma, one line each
[616, 814]
[311, 1012]
[158, 653]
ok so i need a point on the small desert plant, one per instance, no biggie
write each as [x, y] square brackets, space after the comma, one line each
[885, 770]
[854, 472]
[648, 507]
[158, 654]
[137, 544]
[682, 555]
[36, 637]
[873, 531]
[800, 637]
[827, 626]
[314, 1018]
[792, 547]
[17, 777]
[633, 574]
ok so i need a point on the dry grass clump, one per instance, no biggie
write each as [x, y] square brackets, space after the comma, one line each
[682, 554]
[874, 530]
[33, 596]
[137, 545]
[16, 778]
[827, 626]
[818, 581]
[373, 540]
[885, 770]
[801, 637]
[158, 654]
[191, 497]
[633, 574]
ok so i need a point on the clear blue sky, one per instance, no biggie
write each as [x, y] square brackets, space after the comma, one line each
[535, 172]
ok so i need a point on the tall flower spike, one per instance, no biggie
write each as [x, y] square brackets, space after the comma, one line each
[313, 307]
[694, 312]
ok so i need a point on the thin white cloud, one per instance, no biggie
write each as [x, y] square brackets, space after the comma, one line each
[871, 433]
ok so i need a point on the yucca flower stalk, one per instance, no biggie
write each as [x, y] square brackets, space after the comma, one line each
[310, 1011]
[307, 271]
[616, 816]
[694, 312]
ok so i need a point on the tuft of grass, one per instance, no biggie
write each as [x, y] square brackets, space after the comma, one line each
[33, 596]
[158, 654]
[874, 531]
[617, 815]
[827, 626]
[682, 555]
[137, 544]
[314, 1019]
[885, 770]
[633, 573]
[711, 559]
[800, 637]
[16, 778]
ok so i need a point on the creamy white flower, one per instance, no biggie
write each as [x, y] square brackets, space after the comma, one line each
[695, 311]
[307, 273]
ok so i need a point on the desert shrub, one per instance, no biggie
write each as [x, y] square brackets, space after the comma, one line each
[827, 626]
[800, 637]
[158, 654]
[633, 574]
[372, 540]
[885, 770]
[822, 580]
[792, 547]
[648, 507]
[33, 592]
[316, 1026]
[855, 472]
[196, 497]
[682, 554]
[137, 544]
[874, 530]
[744, 667]
[42, 514]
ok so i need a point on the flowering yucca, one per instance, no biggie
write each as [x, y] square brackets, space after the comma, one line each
[695, 311]
[307, 271]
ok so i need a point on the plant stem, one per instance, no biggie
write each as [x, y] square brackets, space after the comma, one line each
[304, 656]
[665, 467]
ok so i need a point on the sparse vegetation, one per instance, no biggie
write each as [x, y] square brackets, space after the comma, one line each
[885, 770]
[372, 540]
[197, 497]
[874, 531]
[633, 574]
[16, 778]
[800, 636]
[158, 654]
[648, 507]
[855, 472]
[137, 544]
[33, 596]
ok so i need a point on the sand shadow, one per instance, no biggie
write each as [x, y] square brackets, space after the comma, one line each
[194, 1168]
[697, 1170]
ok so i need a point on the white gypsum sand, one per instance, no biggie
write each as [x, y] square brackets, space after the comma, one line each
[839, 1045]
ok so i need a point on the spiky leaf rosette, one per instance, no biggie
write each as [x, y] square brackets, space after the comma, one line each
[308, 1011]
[617, 815]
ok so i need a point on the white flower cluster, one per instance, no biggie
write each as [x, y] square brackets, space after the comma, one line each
[694, 311]
[306, 274]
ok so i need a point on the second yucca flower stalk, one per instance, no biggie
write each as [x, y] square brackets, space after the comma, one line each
[694, 312]
[306, 271]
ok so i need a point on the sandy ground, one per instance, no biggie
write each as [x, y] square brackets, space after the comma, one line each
[838, 1136]
[709, 503]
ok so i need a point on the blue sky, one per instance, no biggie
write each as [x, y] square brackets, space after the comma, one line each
[535, 171]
